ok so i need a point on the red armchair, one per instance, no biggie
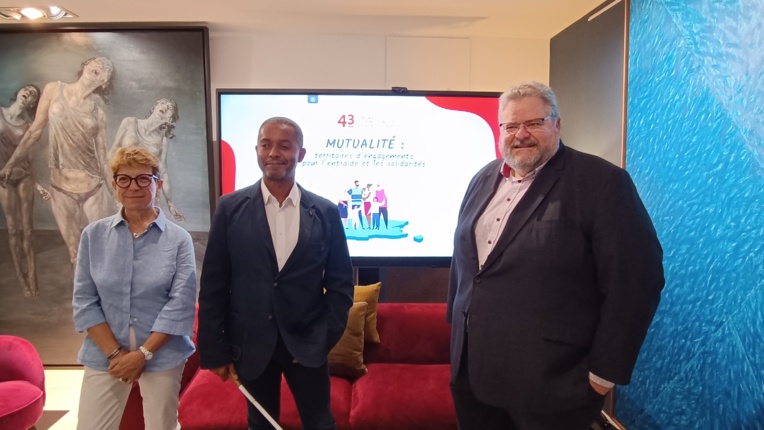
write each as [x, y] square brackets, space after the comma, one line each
[22, 383]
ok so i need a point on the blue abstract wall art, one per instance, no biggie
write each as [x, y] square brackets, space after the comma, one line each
[695, 147]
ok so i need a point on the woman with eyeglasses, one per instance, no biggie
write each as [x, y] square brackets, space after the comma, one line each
[134, 295]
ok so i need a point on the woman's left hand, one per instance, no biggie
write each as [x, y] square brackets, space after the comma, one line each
[127, 366]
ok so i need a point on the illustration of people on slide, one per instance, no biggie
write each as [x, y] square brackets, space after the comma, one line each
[342, 205]
[369, 204]
[356, 204]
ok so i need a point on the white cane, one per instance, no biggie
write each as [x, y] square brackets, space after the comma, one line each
[257, 405]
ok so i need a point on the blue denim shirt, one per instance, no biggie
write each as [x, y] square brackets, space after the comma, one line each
[149, 282]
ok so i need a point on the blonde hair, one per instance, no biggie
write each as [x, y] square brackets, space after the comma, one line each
[134, 157]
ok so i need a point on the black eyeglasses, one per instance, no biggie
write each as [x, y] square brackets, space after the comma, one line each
[143, 181]
[512, 128]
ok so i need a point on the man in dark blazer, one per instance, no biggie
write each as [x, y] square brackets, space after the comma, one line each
[555, 278]
[276, 285]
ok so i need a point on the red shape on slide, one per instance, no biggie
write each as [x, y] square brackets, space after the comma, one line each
[227, 168]
[484, 107]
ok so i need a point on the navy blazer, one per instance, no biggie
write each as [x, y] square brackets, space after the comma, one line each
[571, 286]
[245, 301]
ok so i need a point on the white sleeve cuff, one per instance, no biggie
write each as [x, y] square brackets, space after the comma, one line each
[604, 382]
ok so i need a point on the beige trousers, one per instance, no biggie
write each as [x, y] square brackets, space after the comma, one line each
[103, 398]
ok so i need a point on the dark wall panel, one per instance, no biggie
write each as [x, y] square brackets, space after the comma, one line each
[586, 72]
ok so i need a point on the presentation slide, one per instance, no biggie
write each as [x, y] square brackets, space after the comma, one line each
[396, 166]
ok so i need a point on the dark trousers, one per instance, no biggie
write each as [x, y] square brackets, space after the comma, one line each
[309, 385]
[383, 214]
[473, 414]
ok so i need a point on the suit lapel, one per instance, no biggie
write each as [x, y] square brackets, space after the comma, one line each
[486, 188]
[536, 194]
[259, 227]
[307, 219]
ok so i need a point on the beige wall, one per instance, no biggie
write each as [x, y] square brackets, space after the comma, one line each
[274, 60]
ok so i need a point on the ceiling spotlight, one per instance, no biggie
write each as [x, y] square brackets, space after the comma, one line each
[55, 12]
[9, 13]
[32, 13]
[50, 12]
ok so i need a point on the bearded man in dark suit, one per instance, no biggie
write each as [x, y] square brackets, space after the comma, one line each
[555, 278]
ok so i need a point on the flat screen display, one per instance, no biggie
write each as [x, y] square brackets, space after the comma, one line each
[397, 164]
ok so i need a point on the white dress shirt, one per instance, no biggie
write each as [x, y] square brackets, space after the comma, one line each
[283, 221]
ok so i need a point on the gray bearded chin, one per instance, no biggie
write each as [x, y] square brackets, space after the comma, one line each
[526, 163]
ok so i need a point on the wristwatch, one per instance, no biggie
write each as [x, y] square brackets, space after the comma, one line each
[146, 353]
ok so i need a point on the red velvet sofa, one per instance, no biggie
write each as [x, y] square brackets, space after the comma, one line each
[406, 387]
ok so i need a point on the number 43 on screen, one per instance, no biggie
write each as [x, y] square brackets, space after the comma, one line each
[346, 120]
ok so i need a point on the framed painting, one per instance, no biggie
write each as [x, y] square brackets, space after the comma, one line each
[152, 90]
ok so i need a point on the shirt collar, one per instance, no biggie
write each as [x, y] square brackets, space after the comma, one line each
[506, 172]
[293, 197]
[160, 222]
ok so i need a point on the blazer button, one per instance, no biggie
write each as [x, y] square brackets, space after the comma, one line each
[275, 284]
[477, 280]
[270, 317]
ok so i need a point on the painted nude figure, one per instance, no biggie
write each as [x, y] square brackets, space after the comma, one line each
[79, 171]
[17, 194]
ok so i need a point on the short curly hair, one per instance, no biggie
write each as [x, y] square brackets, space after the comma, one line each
[134, 157]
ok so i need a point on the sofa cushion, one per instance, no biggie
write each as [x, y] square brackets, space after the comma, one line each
[370, 295]
[346, 358]
[403, 397]
[209, 404]
[413, 333]
[22, 383]
[21, 404]
[340, 403]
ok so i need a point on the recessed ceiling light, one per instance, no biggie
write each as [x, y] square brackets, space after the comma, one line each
[9, 13]
[50, 12]
[55, 12]
[32, 13]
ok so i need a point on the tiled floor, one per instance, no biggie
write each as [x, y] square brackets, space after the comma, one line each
[62, 392]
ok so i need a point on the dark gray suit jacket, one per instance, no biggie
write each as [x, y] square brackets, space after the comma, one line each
[571, 286]
[245, 301]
